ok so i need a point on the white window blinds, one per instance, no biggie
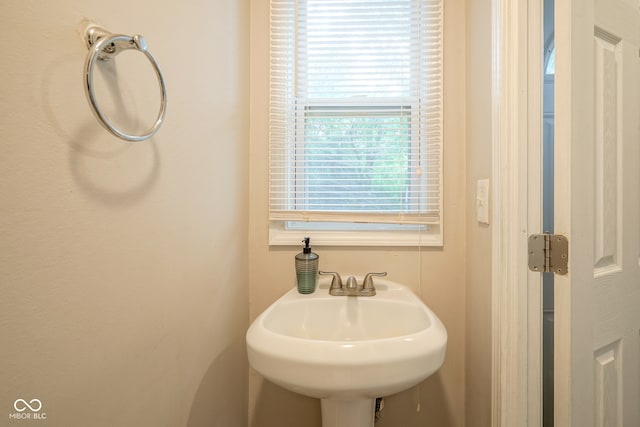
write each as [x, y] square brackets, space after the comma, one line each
[356, 111]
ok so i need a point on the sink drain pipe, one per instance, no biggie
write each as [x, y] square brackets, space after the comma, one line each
[379, 408]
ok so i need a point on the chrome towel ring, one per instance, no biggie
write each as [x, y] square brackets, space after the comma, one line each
[104, 45]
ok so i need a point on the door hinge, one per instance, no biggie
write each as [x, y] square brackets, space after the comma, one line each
[548, 253]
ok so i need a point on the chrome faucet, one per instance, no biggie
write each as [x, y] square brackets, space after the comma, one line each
[352, 288]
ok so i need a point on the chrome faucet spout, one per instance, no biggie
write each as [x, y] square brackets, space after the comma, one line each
[352, 284]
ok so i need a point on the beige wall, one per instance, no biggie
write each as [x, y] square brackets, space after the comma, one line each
[478, 253]
[123, 267]
[124, 278]
[438, 274]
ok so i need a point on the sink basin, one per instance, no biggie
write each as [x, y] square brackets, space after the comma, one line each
[347, 349]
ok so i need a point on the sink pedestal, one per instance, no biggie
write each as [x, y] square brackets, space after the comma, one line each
[348, 413]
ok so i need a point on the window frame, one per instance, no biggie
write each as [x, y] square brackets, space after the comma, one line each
[427, 233]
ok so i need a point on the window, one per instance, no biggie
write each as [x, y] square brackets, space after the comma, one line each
[550, 62]
[356, 120]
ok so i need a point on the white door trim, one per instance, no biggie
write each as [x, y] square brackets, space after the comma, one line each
[517, 158]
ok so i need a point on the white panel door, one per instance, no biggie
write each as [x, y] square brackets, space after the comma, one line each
[597, 206]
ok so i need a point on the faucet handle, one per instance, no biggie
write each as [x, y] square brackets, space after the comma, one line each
[367, 284]
[336, 283]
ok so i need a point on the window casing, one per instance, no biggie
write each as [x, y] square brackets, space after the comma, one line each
[356, 121]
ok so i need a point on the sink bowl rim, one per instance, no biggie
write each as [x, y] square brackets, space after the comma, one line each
[391, 365]
[349, 352]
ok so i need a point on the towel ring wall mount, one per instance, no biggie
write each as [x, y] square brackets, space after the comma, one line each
[103, 46]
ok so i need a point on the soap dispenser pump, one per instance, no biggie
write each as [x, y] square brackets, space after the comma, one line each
[306, 269]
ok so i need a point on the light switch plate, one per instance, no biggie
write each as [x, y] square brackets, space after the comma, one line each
[482, 201]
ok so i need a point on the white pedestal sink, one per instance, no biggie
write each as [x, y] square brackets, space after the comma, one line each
[347, 351]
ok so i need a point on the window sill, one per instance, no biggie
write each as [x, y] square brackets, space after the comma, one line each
[280, 236]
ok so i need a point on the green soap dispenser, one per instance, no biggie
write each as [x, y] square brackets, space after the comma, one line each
[306, 269]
